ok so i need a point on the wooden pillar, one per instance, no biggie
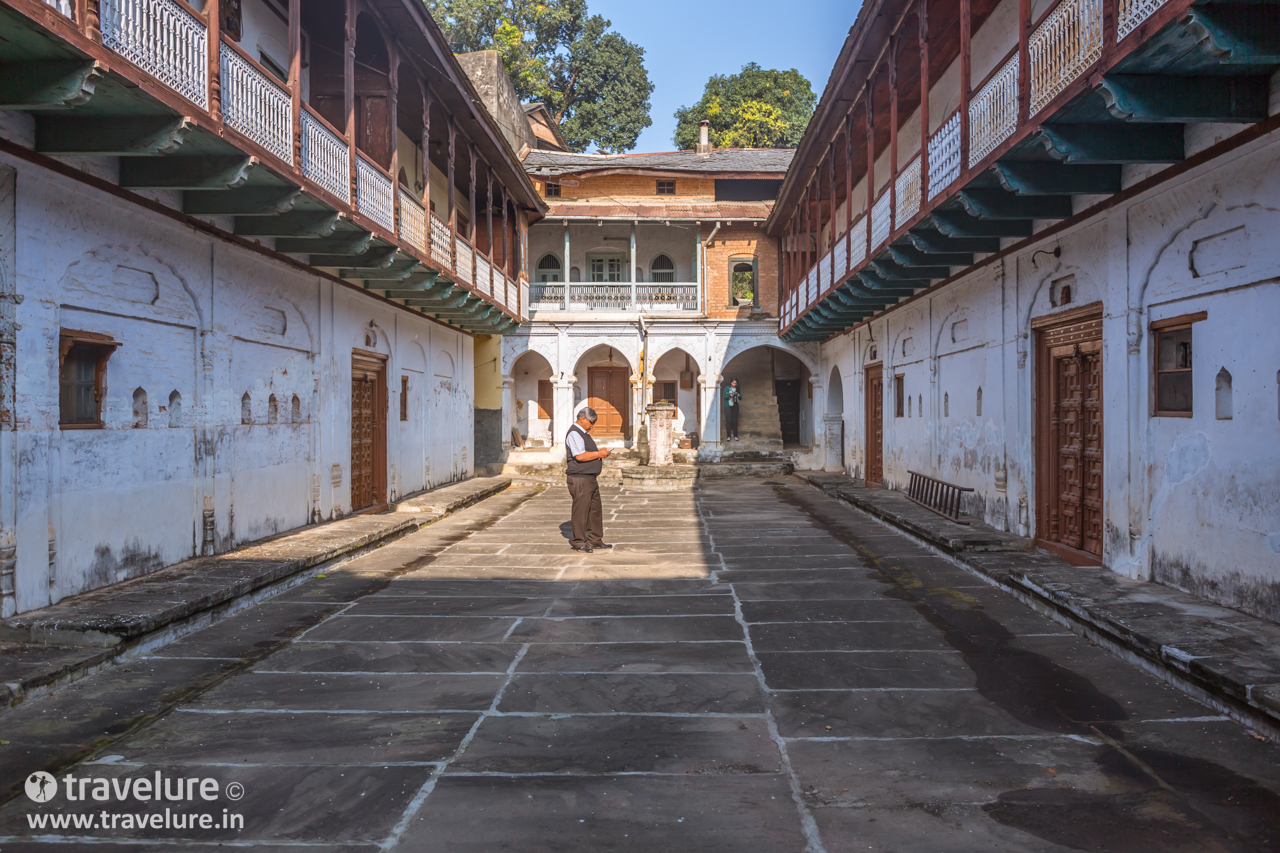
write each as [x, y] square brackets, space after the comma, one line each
[394, 80]
[471, 196]
[506, 253]
[848, 189]
[488, 218]
[1110, 24]
[453, 206]
[425, 164]
[923, 14]
[295, 77]
[966, 80]
[91, 19]
[871, 156]
[893, 128]
[831, 155]
[213, 9]
[1024, 60]
[349, 91]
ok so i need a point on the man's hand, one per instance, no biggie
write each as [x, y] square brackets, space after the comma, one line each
[604, 453]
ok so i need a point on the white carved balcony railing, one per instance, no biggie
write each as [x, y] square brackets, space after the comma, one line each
[667, 297]
[993, 112]
[164, 40]
[545, 296]
[599, 297]
[523, 305]
[1134, 12]
[484, 281]
[907, 188]
[326, 159]
[811, 286]
[413, 222]
[63, 6]
[513, 294]
[880, 220]
[256, 105]
[944, 155]
[824, 273]
[462, 255]
[842, 262]
[1062, 47]
[858, 242]
[373, 194]
[440, 243]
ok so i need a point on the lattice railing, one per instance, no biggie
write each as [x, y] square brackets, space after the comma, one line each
[546, 296]
[1062, 47]
[841, 259]
[993, 112]
[164, 40]
[907, 189]
[667, 297]
[599, 297]
[462, 258]
[413, 222]
[513, 293]
[63, 6]
[373, 194]
[256, 105]
[440, 254]
[811, 286]
[1134, 12]
[858, 242]
[944, 156]
[483, 272]
[326, 159]
[824, 272]
[880, 220]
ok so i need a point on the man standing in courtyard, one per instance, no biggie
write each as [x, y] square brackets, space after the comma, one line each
[583, 463]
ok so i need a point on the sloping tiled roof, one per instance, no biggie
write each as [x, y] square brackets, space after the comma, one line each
[709, 210]
[749, 160]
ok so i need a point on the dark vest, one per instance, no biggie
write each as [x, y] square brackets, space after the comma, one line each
[574, 468]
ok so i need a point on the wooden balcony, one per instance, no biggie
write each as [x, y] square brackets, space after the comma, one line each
[186, 109]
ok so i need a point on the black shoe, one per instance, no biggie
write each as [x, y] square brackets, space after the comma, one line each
[602, 545]
[586, 550]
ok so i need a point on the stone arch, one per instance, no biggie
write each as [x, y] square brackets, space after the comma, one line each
[246, 409]
[273, 410]
[1084, 291]
[514, 346]
[132, 281]
[533, 397]
[737, 346]
[835, 392]
[579, 347]
[175, 409]
[372, 337]
[140, 413]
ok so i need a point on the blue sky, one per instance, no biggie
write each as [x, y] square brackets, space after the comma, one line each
[686, 41]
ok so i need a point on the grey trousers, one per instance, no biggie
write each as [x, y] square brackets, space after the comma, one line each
[587, 515]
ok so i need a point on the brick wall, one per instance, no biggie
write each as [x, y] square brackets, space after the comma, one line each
[633, 186]
[740, 242]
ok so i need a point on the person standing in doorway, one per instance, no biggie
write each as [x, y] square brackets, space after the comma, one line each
[732, 402]
[583, 463]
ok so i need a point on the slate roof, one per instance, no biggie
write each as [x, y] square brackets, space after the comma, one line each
[730, 210]
[750, 160]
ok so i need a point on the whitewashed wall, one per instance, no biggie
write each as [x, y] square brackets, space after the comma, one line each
[1190, 502]
[201, 323]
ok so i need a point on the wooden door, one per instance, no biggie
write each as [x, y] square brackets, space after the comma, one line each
[1069, 497]
[787, 393]
[608, 392]
[368, 431]
[875, 426]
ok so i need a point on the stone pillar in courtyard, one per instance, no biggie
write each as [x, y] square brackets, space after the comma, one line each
[660, 473]
[660, 416]
[508, 413]
[709, 441]
[562, 416]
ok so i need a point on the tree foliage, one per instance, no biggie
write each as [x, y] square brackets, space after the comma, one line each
[755, 108]
[592, 79]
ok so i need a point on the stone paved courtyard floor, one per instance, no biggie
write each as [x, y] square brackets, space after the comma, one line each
[755, 667]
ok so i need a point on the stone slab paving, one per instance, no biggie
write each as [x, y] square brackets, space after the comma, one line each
[754, 667]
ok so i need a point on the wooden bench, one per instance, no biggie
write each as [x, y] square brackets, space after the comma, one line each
[936, 496]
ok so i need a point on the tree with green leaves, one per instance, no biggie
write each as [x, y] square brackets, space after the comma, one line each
[592, 80]
[755, 108]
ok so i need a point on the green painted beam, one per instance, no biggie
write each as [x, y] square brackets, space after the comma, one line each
[1113, 143]
[185, 173]
[932, 240]
[1040, 177]
[246, 201]
[297, 223]
[991, 203]
[53, 85]
[895, 289]
[1186, 100]
[375, 258]
[909, 256]
[1237, 33]
[398, 271]
[893, 271]
[113, 136]
[955, 223]
[344, 244]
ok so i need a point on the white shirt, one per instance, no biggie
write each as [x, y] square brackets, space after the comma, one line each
[577, 446]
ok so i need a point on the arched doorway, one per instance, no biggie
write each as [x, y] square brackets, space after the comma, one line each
[604, 384]
[534, 415]
[675, 379]
[777, 400]
[834, 422]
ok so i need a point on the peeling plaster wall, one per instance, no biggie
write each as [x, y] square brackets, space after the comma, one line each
[1190, 502]
[200, 323]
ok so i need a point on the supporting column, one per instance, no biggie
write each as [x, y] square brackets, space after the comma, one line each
[966, 81]
[923, 14]
[698, 264]
[566, 265]
[214, 35]
[562, 416]
[508, 410]
[833, 429]
[709, 440]
[818, 408]
[295, 78]
[634, 306]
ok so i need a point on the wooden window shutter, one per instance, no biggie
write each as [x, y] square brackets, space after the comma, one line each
[546, 399]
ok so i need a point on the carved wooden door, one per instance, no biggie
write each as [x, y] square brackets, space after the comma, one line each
[875, 426]
[368, 431]
[609, 393]
[1069, 424]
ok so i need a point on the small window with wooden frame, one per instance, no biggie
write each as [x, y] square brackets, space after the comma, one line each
[1172, 362]
[899, 396]
[82, 377]
[404, 397]
[550, 190]
[664, 391]
[546, 399]
[666, 187]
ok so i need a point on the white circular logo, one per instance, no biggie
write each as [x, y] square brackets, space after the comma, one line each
[235, 791]
[41, 786]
